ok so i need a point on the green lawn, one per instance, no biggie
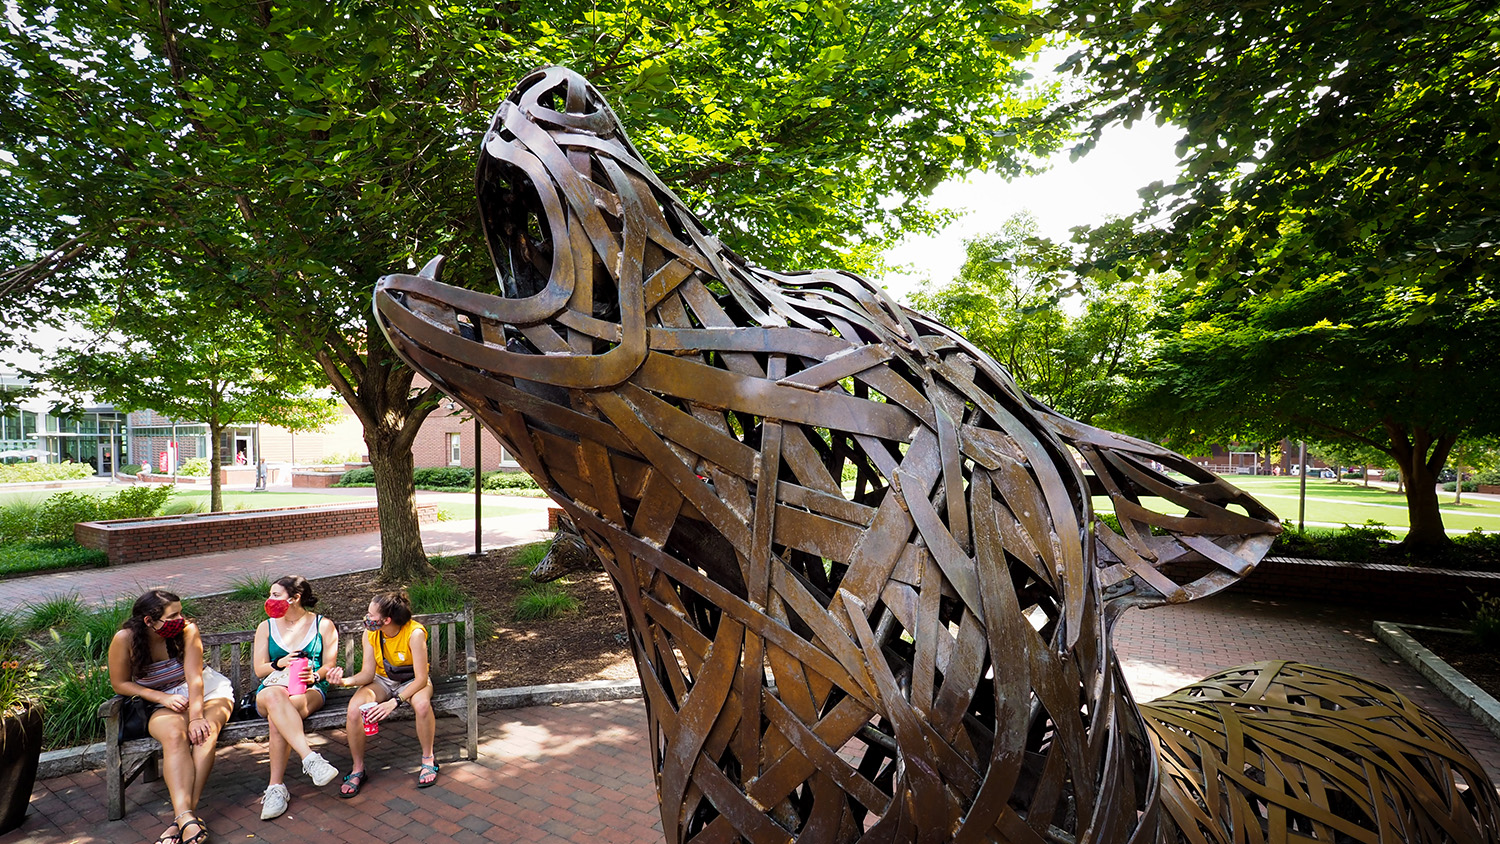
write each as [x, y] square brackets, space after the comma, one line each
[1336, 504]
[461, 511]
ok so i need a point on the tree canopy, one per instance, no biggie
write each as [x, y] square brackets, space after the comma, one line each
[1333, 223]
[1363, 133]
[1076, 356]
[285, 155]
[200, 364]
[1334, 362]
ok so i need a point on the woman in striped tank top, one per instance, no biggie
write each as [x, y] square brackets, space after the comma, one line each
[158, 656]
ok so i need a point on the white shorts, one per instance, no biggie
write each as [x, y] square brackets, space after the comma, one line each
[215, 687]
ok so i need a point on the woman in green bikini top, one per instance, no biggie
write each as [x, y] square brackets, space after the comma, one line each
[291, 630]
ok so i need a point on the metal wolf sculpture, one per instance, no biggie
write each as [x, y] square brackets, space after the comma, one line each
[864, 583]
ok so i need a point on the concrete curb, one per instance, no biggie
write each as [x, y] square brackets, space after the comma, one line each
[71, 760]
[1469, 697]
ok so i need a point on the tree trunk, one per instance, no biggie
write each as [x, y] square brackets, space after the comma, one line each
[1420, 457]
[402, 558]
[215, 463]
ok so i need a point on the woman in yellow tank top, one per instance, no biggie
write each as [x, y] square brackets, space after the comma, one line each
[393, 674]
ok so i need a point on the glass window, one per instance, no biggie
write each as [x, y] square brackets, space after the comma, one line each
[455, 451]
[28, 424]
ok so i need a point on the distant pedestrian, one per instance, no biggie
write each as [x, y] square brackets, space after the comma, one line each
[260, 474]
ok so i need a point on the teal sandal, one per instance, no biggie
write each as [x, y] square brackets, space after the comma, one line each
[427, 775]
[352, 784]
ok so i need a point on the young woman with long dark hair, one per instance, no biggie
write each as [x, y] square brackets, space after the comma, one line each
[157, 655]
[291, 630]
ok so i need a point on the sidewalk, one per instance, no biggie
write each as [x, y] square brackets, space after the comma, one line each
[583, 772]
[208, 574]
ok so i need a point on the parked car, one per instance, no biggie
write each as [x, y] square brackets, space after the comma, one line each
[1327, 474]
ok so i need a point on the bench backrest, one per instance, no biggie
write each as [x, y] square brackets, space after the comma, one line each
[450, 649]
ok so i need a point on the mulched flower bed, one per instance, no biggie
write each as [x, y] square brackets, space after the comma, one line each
[586, 644]
[1462, 651]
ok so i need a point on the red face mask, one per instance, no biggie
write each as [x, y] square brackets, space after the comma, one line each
[172, 628]
[276, 607]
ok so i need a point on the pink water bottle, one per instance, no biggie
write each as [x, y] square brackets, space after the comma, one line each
[295, 684]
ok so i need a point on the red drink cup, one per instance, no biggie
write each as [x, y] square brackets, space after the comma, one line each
[371, 727]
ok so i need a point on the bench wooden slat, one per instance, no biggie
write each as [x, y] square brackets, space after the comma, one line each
[455, 691]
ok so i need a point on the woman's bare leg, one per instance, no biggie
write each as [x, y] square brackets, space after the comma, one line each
[216, 712]
[170, 729]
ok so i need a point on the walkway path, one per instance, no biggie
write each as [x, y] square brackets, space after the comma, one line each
[208, 574]
[561, 774]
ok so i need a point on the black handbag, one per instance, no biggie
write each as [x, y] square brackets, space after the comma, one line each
[399, 673]
[244, 708]
[135, 718]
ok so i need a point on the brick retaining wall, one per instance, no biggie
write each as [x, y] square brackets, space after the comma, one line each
[315, 480]
[136, 540]
[1364, 584]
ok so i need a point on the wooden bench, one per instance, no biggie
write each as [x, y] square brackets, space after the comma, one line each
[452, 673]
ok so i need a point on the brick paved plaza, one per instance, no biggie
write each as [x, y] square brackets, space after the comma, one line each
[582, 772]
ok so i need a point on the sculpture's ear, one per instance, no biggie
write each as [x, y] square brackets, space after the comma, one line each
[1155, 557]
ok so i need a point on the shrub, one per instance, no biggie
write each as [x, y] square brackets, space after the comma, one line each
[131, 469]
[57, 611]
[195, 468]
[435, 595]
[18, 519]
[357, 477]
[1488, 478]
[41, 555]
[509, 480]
[135, 502]
[1485, 623]
[18, 473]
[444, 477]
[1353, 543]
[59, 513]
[249, 588]
[1391, 476]
[72, 694]
[183, 506]
[1353, 476]
[1469, 486]
[543, 600]
[528, 557]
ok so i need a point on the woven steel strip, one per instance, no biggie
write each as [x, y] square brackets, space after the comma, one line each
[861, 572]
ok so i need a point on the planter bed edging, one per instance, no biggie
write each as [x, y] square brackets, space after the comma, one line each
[1469, 697]
[161, 537]
[71, 760]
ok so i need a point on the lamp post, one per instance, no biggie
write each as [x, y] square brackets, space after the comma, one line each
[453, 410]
[478, 488]
[1302, 487]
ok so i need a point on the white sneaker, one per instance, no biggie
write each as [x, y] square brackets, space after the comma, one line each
[276, 799]
[319, 769]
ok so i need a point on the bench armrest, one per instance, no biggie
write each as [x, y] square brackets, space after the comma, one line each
[111, 708]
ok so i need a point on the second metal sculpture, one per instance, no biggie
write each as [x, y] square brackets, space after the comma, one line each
[864, 582]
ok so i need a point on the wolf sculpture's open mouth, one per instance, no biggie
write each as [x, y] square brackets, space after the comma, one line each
[561, 247]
